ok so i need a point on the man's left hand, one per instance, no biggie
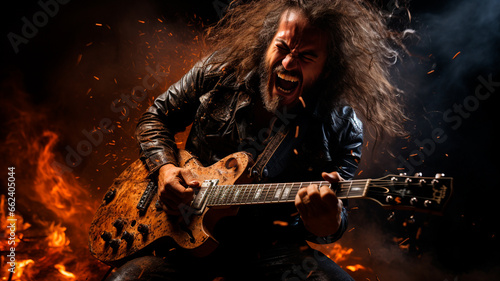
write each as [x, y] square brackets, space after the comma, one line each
[319, 207]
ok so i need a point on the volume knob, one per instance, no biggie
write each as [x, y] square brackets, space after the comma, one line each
[127, 236]
[106, 236]
[115, 243]
[119, 223]
[143, 229]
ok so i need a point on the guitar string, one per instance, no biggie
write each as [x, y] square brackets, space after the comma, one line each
[246, 198]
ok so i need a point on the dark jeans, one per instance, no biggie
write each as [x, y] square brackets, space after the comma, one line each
[279, 264]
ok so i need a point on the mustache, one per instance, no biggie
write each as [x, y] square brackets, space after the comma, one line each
[281, 68]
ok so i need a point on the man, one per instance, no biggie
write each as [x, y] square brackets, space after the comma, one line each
[281, 84]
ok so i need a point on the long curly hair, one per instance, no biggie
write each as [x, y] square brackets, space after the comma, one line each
[361, 50]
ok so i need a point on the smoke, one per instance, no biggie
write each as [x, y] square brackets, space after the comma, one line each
[454, 52]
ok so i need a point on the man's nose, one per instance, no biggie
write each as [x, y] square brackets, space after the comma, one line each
[289, 62]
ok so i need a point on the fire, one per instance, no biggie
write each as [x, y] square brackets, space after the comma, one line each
[60, 194]
[20, 268]
[341, 255]
[355, 267]
[62, 270]
[42, 246]
[57, 238]
[338, 253]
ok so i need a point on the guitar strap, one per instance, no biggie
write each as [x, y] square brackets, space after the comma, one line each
[280, 143]
[263, 158]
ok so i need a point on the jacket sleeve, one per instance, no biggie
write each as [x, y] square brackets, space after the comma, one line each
[345, 145]
[170, 113]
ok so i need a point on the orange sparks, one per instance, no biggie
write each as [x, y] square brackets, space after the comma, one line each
[79, 59]
[302, 101]
[455, 55]
[98, 24]
[297, 132]
[430, 71]
[280, 223]
[96, 78]
[141, 21]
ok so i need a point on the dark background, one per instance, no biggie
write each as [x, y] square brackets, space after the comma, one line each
[51, 79]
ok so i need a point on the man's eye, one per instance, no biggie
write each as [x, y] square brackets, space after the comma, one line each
[307, 58]
[283, 47]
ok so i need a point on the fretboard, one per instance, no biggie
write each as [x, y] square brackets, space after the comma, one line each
[226, 195]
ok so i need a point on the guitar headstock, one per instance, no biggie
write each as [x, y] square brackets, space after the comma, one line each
[427, 194]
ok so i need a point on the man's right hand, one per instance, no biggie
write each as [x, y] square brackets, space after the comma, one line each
[175, 187]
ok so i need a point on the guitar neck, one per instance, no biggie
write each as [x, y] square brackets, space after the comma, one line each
[231, 195]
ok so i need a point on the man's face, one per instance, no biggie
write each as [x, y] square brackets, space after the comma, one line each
[293, 62]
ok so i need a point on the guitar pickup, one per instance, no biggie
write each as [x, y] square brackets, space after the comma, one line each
[147, 197]
[199, 201]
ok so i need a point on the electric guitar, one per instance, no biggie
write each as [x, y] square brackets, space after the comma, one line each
[130, 217]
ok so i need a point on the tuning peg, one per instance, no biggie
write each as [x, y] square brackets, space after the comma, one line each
[402, 174]
[438, 175]
[418, 174]
[413, 200]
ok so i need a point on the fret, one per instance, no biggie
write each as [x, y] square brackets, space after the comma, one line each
[237, 190]
[246, 195]
[279, 191]
[241, 196]
[215, 195]
[258, 194]
[229, 197]
[251, 194]
[223, 196]
[349, 190]
[286, 192]
[209, 194]
[268, 187]
[270, 194]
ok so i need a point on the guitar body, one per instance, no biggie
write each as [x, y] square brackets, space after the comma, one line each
[120, 229]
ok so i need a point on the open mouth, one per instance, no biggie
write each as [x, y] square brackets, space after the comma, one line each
[286, 83]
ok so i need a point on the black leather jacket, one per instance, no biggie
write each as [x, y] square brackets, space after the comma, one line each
[220, 111]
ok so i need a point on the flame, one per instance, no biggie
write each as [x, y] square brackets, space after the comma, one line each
[21, 267]
[60, 194]
[355, 267]
[57, 238]
[62, 270]
[69, 206]
[338, 253]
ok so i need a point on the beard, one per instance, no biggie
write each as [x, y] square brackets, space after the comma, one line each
[271, 103]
